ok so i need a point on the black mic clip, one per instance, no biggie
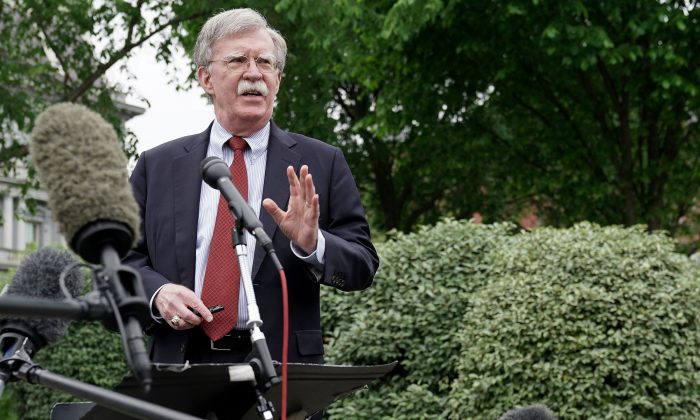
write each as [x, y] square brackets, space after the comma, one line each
[106, 242]
[124, 285]
[17, 345]
[265, 377]
[121, 286]
[259, 359]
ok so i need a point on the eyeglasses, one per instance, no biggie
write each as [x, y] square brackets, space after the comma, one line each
[240, 63]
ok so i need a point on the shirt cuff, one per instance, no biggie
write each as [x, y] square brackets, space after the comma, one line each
[155, 314]
[317, 257]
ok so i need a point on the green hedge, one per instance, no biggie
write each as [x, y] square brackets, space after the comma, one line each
[87, 352]
[593, 322]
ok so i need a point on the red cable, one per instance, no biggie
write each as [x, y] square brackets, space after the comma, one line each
[285, 342]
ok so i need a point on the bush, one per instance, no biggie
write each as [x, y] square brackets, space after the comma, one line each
[87, 352]
[411, 314]
[593, 322]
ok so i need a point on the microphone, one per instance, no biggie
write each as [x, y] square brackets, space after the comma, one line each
[217, 174]
[82, 167]
[531, 412]
[37, 276]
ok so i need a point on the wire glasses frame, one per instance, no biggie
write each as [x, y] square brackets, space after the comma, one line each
[241, 63]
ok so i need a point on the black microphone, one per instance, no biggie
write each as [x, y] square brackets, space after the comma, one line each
[217, 174]
[531, 412]
[82, 167]
[37, 277]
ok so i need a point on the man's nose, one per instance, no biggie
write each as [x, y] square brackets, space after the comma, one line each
[252, 71]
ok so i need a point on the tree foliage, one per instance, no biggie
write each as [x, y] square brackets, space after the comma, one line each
[598, 104]
[585, 111]
[54, 51]
[443, 107]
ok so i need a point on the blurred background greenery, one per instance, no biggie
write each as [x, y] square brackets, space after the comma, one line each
[579, 118]
[561, 111]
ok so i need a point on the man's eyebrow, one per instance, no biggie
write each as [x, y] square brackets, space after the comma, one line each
[234, 54]
[242, 54]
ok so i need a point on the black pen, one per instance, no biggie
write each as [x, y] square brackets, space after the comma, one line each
[213, 309]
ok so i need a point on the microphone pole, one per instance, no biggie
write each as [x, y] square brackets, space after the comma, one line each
[216, 174]
[89, 308]
[259, 358]
[121, 285]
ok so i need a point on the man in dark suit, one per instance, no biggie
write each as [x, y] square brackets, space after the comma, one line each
[317, 224]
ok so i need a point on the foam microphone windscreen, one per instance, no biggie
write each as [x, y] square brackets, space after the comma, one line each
[81, 165]
[531, 412]
[38, 277]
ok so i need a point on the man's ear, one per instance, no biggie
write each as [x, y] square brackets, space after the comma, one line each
[204, 78]
[279, 81]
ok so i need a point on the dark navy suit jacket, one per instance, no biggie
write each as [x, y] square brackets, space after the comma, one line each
[166, 184]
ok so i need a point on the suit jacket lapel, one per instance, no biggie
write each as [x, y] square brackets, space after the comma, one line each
[186, 190]
[280, 155]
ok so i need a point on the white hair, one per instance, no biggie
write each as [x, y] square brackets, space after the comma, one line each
[232, 22]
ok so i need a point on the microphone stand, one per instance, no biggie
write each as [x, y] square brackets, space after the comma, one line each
[122, 287]
[259, 358]
[119, 301]
[91, 307]
[103, 241]
[17, 363]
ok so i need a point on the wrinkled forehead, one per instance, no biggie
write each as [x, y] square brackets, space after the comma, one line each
[250, 43]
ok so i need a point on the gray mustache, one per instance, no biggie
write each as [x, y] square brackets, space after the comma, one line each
[246, 86]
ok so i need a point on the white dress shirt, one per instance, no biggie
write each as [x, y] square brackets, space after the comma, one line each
[255, 157]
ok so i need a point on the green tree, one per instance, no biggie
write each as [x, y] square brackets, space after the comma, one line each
[597, 105]
[54, 51]
[584, 110]
[588, 111]
[385, 96]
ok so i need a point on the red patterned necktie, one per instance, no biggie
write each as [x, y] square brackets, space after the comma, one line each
[223, 275]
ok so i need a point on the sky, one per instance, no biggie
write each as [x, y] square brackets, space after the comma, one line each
[171, 114]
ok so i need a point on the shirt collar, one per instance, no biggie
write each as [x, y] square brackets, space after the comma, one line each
[257, 141]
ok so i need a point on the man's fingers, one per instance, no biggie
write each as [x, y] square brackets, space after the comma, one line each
[202, 312]
[190, 317]
[174, 302]
[292, 177]
[304, 178]
[309, 187]
[275, 211]
[315, 209]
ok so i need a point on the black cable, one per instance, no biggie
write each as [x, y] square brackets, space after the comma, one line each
[64, 273]
[120, 326]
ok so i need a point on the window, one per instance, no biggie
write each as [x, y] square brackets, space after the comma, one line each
[32, 233]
